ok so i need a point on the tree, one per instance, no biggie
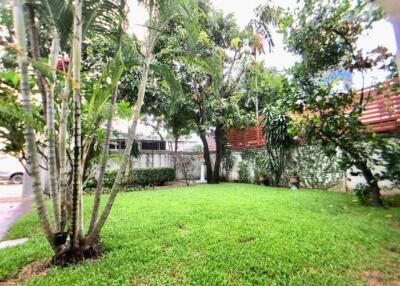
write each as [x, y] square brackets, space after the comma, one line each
[325, 35]
[67, 203]
[279, 143]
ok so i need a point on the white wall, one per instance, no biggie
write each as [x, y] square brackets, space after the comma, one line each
[158, 159]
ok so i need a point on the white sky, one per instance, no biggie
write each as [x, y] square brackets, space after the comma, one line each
[381, 34]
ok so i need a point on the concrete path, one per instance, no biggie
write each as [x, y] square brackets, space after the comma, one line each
[12, 206]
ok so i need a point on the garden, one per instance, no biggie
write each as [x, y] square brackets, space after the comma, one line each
[287, 176]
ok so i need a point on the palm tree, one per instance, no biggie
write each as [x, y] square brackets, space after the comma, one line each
[21, 47]
[160, 13]
[67, 203]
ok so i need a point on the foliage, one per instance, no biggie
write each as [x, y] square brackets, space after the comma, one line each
[244, 172]
[185, 164]
[210, 93]
[263, 87]
[390, 154]
[315, 169]
[278, 141]
[153, 176]
[363, 193]
[325, 107]
[232, 224]
[228, 163]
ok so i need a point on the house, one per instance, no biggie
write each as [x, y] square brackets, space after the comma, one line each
[155, 146]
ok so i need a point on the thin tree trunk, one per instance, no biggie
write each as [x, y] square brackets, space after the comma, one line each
[150, 43]
[103, 164]
[35, 53]
[65, 191]
[176, 143]
[207, 158]
[77, 166]
[127, 153]
[29, 133]
[53, 186]
[372, 182]
[218, 153]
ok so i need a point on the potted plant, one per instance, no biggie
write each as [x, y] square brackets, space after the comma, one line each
[294, 180]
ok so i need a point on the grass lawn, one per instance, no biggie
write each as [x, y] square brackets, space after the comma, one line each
[228, 234]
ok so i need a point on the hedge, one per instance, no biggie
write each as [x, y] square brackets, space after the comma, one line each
[153, 176]
[141, 177]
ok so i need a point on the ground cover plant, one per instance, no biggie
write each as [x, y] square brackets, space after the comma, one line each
[228, 234]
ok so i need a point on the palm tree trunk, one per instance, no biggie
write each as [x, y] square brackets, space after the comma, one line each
[35, 53]
[65, 192]
[127, 153]
[76, 215]
[53, 186]
[29, 133]
[149, 46]
[103, 164]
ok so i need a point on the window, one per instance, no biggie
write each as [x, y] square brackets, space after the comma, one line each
[119, 144]
[153, 145]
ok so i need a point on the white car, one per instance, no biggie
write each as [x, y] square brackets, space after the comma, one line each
[11, 169]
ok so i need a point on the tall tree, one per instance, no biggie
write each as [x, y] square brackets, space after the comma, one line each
[325, 35]
[68, 208]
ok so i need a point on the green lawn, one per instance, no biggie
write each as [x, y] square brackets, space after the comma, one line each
[229, 234]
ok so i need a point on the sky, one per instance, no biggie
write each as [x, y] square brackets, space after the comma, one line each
[381, 33]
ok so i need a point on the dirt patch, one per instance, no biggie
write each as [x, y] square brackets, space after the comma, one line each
[376, 278]
[247, 240]
[32, 270]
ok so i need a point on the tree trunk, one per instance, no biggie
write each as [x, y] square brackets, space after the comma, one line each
[76, 215]
[65, 191]
[103, 163]
[219, 137]
[372, 182]
[29, 133]
[207, 158]
[53, 186]
[176, 143]
[35, 53]
[91, 236]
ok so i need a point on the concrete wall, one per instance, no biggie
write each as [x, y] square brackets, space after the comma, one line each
[158, 159]
[349, 180]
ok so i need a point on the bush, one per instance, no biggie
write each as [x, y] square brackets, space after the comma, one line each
[363, 193]
[109, 178]
[153, 176]
[141, 178]
[244, 172]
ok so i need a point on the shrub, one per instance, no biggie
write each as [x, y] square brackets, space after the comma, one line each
[244, 172]
[141, 178]
[228, 163]
[89, 185]
[363, 193]
[153, 176]
[109, 178]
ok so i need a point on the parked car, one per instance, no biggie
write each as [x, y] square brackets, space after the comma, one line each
[11, 169]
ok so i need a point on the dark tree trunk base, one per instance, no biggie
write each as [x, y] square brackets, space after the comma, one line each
[71, 255]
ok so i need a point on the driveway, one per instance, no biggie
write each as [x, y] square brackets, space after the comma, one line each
[12, 206]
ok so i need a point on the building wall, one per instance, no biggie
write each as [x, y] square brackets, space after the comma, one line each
[347, 182]
[159, 159]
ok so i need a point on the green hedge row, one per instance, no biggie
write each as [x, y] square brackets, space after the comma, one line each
[144, 177]
[153, 176]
